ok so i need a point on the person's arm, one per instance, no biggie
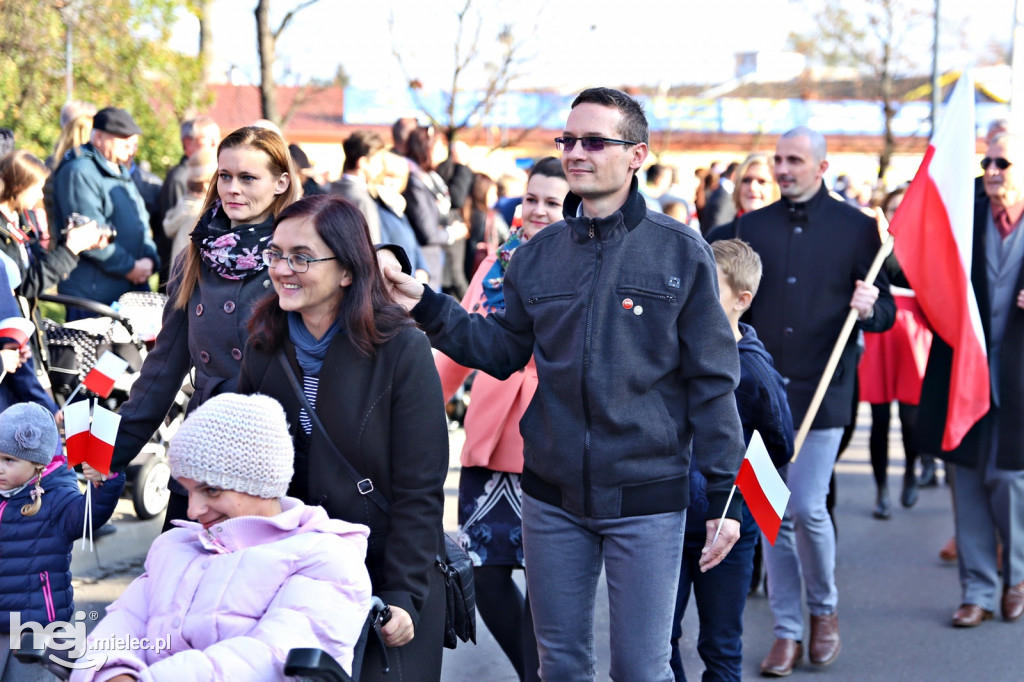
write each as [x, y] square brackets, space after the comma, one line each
[709, 367]
[104, 501]
[46, 269]
[875, 305]
[85, 196]
[419, 465]
[153, 392]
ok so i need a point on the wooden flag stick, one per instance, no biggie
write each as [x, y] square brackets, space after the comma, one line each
[837, 351]
[722, 520]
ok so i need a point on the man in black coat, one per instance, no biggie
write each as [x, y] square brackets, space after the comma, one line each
[988, 465]
[815, 251]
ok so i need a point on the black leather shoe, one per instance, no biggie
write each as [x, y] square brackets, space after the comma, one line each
[928, 477]
[883, 508]
[908, 498]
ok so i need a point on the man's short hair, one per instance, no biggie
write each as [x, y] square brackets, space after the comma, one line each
[192, 128]
[359, 144]
[1007, 139]
[997, 127]
[654, 173]
[400, 131]
[633, 126]
[6, 142]
[740, 265]
[818, 146]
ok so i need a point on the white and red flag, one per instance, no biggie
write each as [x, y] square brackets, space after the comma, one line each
[77, 435]
[19, 329]
[934, 240]
[763, 489]
[104, 433]
[100, 379]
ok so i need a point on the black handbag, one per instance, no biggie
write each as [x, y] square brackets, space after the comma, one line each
[455, 565]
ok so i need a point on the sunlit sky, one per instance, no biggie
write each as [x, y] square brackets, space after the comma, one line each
[569, 44]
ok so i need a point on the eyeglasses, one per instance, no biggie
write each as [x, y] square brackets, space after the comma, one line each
[298, 262]
[1000, 162]
[589, 143]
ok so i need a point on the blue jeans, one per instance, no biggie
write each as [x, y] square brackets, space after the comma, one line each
[806, 546]
[721, 595]
[641, 557]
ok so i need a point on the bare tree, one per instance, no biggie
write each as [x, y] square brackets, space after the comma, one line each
[499, 74]
[266, 41]
[871, 36]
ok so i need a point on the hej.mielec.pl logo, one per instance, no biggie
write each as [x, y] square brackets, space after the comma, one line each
[70, 637]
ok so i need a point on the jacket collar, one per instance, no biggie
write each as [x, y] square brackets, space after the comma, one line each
[618, 224]
[809, 208]
[106, 167]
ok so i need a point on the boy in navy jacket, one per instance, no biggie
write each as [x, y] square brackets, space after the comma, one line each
[721, 593]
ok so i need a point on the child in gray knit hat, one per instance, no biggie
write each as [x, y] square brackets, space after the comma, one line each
[42, 512]
[271, 572]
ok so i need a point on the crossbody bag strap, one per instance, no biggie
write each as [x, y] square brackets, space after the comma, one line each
[363, 485]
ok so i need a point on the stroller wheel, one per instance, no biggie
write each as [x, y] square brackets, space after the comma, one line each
[150, 494]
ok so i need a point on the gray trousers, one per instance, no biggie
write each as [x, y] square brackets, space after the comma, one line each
[805, 550]
[987, 501]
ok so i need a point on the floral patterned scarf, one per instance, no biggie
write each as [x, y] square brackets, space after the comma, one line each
[232, 253]
[493, 297]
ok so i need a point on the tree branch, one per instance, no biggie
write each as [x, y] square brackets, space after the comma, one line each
[290, 15]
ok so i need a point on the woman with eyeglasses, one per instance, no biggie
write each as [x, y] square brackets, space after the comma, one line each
[215, 283]
[357, 380]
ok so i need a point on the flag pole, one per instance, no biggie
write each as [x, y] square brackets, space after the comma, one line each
[837, 351]
[722, 520]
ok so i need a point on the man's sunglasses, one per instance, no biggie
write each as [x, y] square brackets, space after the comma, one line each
[589, 144]
[1000, 162]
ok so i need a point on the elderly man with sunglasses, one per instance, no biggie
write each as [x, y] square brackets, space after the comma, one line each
[635, 360]
[988, 466]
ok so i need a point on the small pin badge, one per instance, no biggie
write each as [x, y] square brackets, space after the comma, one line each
[639, 310]
[627, 303]
[673, 282]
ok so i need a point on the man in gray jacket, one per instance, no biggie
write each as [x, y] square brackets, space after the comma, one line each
[635, 360]
[362, 165]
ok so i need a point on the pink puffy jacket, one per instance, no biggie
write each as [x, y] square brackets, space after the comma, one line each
[492, 418]
[232, 600]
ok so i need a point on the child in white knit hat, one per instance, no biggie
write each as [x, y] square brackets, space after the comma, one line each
[254, 575]
[42, 512]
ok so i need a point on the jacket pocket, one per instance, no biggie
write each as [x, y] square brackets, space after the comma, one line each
[646, 293]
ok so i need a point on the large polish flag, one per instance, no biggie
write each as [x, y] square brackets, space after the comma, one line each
[763, 489]
[934, 240]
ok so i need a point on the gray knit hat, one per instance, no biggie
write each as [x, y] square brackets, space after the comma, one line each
[236, 442]
[27, 431]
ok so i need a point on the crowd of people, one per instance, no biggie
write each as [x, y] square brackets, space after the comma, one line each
[324, 327]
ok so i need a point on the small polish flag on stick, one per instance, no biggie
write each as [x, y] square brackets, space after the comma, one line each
[104, 433]
[763, 490]
[76, 431]
[100, 379]
[18, 329]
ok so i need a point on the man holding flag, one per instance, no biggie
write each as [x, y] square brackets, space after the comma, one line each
[816, 251]
[977, 424]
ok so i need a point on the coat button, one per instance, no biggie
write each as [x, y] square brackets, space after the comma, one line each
[798, 230]
[229, 306]
[204, 356]
[791, 280]
[199, 309]
[266, 284]
[236, 354]
[788, 331]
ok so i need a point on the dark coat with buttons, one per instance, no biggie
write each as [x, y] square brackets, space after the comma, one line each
[811, 256]
[932, 413]
[209, 335]
[35, 551]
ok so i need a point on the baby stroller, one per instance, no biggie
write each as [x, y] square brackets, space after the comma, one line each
[128, 329]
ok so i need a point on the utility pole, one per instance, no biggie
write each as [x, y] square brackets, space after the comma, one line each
[936, 85]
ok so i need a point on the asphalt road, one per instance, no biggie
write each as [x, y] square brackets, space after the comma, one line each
[896, 596]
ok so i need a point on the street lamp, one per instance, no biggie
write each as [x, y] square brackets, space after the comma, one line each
[69, 13]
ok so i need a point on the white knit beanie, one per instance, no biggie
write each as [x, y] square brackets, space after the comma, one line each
[236, 442]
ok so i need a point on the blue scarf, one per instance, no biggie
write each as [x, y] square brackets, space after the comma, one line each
[309, 351]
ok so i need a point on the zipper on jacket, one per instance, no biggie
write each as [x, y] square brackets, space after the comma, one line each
[51, 613]
[652, 294]
[548, 297]
[587, 344]
[3, 505]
